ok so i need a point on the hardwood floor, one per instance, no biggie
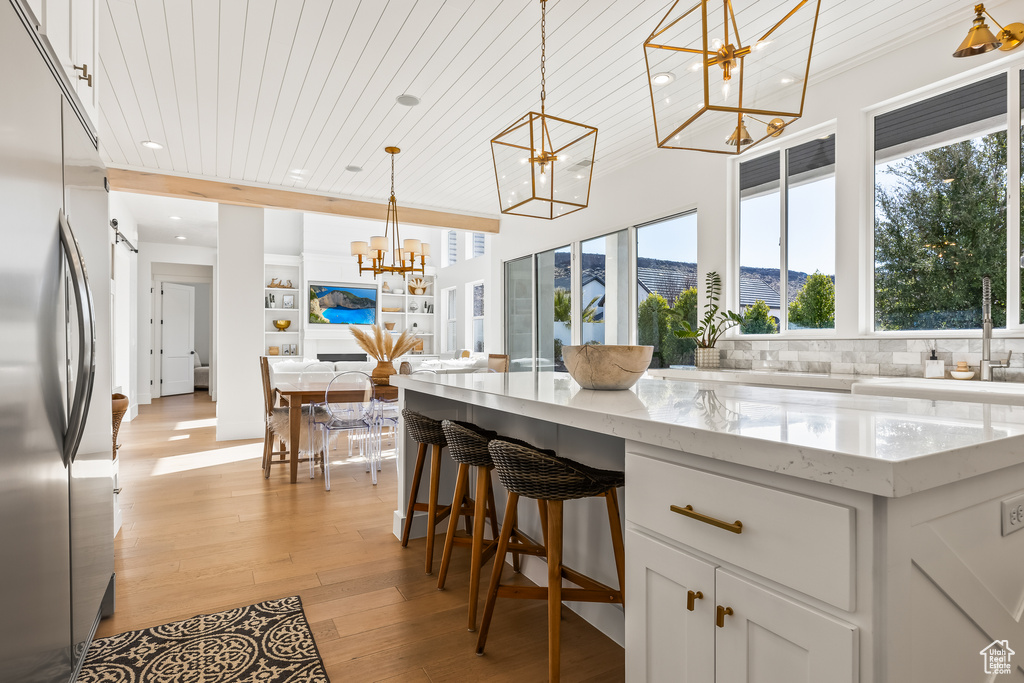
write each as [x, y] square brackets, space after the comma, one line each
[203, 531]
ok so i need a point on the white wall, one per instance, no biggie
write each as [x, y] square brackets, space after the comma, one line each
[151, 253]
[459, 275]
[204, 320]
[125, 313]
[282, 232]
[239, 325]
[670, 181]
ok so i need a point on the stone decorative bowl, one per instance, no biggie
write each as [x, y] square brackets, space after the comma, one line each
[607, 367]
[282, 324]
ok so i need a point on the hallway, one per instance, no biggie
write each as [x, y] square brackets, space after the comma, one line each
[203, 531]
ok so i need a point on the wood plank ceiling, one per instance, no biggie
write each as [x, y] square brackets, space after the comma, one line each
[290, 92]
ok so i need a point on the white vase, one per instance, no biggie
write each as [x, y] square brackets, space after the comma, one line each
[708, 358]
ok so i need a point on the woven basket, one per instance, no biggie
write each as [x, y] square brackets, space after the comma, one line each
[467, 443]
[424, 429]
[119, 406]
[542, 475]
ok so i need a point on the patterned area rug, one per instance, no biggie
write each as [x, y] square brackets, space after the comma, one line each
[267, 642]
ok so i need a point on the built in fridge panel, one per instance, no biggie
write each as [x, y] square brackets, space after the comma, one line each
[92, 472]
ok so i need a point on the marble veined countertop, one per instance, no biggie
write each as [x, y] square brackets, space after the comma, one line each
[880, 445]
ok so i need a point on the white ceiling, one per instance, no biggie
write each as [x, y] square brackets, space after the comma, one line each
[197, 221]
[289, 92]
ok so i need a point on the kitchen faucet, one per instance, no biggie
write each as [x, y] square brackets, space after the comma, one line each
[987, 364]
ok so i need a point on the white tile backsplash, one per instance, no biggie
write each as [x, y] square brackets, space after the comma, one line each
[885, 357]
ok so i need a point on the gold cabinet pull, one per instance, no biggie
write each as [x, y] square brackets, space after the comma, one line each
[692, 597]
[688, 511]
[720, 614]
[86, 76]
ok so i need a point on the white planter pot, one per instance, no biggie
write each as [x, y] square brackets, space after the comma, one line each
[708, 358]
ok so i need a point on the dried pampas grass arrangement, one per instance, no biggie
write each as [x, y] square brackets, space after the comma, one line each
[381, 345]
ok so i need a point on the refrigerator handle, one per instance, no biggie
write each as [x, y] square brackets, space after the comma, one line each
[86, 341]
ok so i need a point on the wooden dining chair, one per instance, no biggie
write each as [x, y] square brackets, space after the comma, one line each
[270, 398]
[497, 362]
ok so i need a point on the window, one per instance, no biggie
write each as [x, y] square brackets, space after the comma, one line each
[940, 210]
[451, 329]
[477, 310]
[554, 307]
[666, 274]
[604, 273]
[519, 313]
[799, 240]
[451, 252]
[477, 244]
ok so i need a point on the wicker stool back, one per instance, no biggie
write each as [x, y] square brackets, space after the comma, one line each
[467, 444]
[424, 429]
[542, 475]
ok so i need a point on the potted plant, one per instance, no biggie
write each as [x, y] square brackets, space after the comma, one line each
[711, 326]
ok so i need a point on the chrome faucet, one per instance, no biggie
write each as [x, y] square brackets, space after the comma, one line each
[987, 364]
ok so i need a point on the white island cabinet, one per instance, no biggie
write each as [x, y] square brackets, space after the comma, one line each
[875, 535]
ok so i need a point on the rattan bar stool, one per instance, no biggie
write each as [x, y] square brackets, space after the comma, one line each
[540, 474]
[467, 444]
[426, 431]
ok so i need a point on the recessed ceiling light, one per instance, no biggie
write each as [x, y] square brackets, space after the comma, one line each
[180, 237]
[787, 80]
[664, 78]
[175, 218]
[297, 171]
[407, 100]
[151, 144]
[354, 169]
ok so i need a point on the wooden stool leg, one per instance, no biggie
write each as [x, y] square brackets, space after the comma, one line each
[483, 480]
[435, 483]
[461, 487]
[554, 546]
[421, 455]
[492, 508]
[611, 496]
[508, 524]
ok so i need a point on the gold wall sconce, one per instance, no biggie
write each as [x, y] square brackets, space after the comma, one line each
[713, 68]
[980, 40]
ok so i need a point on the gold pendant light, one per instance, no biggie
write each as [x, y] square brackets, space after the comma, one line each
[403, 254]
[980, 40]
[711, 70]
[544, 164]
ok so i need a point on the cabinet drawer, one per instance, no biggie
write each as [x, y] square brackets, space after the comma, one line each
[800, 542]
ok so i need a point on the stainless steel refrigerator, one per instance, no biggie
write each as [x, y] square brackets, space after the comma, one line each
[56, 474]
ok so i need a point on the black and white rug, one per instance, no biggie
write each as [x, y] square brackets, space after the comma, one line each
[269, 642]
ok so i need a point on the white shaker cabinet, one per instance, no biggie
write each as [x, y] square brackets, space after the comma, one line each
[72, 29]
[689, 621]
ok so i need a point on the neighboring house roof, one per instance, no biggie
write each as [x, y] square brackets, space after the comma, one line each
[668, 282]
[752, 289]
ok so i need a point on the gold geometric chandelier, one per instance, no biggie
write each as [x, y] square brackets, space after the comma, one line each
[544, 164]
[720, 80]
[403, 254]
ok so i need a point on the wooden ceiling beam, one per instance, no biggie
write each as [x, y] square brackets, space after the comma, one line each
[143, 182]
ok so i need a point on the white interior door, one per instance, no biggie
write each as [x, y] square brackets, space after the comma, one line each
[177, 330]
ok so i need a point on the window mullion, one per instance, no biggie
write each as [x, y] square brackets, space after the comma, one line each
[1013, 164]
[783, 237]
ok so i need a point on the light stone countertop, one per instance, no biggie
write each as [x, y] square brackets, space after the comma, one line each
[881, 445]
[775, 378]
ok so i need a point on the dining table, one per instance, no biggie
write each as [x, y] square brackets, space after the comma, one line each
[297, 393]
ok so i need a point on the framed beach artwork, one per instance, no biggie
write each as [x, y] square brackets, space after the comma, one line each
[341, 304]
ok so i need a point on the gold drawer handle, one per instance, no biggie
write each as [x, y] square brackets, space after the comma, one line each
[692, 597]
[720, 614]
[688, 511]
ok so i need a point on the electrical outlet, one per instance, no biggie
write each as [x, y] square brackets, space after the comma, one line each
[1013, 514]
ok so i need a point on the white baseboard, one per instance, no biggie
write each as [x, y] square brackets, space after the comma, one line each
[144, 399]
[232, 431]
[133, 412]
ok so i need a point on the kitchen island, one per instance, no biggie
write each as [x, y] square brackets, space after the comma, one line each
[871, 541]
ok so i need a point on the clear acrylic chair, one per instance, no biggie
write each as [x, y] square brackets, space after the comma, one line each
[386, 414]
[341, 416]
